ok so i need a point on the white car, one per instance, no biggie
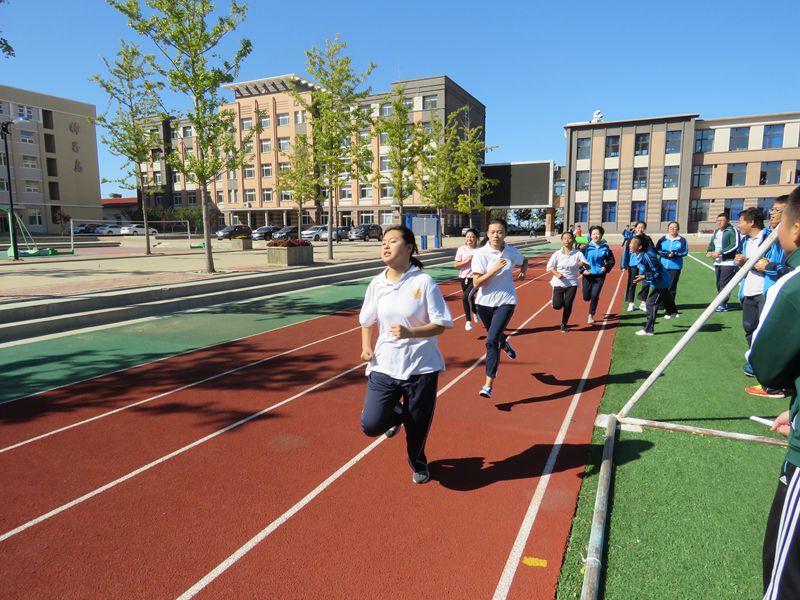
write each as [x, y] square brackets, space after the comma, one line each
[135, 230]
[313, 233]
[108, 230]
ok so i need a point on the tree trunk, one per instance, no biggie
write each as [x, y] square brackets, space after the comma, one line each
[206, 230]
[144, 211]
[331, 191]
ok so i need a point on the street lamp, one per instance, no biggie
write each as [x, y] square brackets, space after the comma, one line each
[5, 132]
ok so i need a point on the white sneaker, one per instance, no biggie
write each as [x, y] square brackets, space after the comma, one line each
[631, 307]
[468, 326]
[672, 316]
[590, 320]
[642, 306]
[475, 317]
[643, 332]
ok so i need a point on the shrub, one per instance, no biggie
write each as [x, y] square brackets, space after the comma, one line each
[285, 243]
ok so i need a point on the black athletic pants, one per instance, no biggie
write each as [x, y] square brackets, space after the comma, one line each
[630, 290]
[781, 555]
[751, 310]
[675, 274]
[591, 288]
[495, 319]
[563, 297]
[724, 274]
[658, 296]
[467, 297]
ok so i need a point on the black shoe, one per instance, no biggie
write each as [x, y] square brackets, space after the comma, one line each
[423, 476]
[563, 328]
[512, 354]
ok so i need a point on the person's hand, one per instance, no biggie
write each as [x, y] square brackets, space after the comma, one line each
[716, 254]
[400, 331]
[366, 354]
[739, 259]
[638, 278]
[521, 275]
[710, 254]
[781, 424]
[670, 255]
[498, 265]
[602, 270]
[761, 265]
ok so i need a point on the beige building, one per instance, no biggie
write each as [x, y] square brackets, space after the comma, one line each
[249, 196]
[679, 168]
[53, 160]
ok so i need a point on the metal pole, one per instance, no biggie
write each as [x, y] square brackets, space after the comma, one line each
[4, 128]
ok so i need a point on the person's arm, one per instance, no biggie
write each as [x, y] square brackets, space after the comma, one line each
[552, 264]
[461, 261]
[660, 248]
[608, 262]
[402, 332]
[366, 343]
[782, 424]
[683, 249]
[523, 266]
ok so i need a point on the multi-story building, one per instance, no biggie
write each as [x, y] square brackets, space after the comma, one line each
[249, 196]
[53, 160]
[678, 168]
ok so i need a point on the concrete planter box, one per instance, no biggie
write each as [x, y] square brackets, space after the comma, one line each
[242, 244]
[290, 256]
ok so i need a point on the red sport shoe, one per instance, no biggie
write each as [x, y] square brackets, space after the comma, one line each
[758, 390]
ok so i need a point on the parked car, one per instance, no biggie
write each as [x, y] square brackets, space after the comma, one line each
[265, 232]
[236, 232]
[86, 227]
[339, 233]
[366, 233]
[108, 230]
[136, 230]
[286, 233]
[313, 233]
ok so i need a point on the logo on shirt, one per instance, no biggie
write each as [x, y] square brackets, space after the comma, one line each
[416, 294]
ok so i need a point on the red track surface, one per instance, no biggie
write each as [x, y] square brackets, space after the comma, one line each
[372, 533]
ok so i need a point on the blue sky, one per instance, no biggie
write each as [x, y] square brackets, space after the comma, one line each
[536, 66]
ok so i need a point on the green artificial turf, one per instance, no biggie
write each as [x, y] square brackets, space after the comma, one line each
[687, 513]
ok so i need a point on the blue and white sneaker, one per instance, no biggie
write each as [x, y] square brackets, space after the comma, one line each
[721, 308]
[512, 354]
[486, 391]
[748, 370]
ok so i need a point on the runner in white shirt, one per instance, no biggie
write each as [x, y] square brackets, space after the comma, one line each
[564, 265]
[493, 276]
[405, 363]
[464, 265]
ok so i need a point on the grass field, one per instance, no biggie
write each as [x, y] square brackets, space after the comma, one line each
[688, 512]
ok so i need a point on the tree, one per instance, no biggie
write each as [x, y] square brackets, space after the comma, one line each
[406, 143]
[299, 178]
[523, 214]
[134, 96]
[468, 157]
[188, 39]
[337, 119]
[5, 47]
[438, 181]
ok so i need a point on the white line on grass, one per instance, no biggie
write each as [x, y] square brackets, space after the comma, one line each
[504, 585]
[708, 266]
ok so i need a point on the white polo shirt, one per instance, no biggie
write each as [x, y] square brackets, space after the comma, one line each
[754, 281]
[567, 264]
[414, 301]
[498, 289]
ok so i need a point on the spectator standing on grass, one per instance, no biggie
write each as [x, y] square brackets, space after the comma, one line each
[653, 273]
[565, 266]
[773, 265]
[600, 260]
[496, 298]
[671, 249]
[722, 248]
[405, 363]
[464, 265]
[775, 357]
[631, 263]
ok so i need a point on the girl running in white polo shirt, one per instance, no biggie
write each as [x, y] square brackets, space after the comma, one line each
[564, 265]
[463, 263]
[405, 363]
[493, 277]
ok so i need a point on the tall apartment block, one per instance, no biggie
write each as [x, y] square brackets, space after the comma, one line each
[53, 160]
[248, 195]
[678, 168]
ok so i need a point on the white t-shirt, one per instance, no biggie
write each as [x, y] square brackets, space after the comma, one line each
[499, 288]
[415, 300]
[754, 282]
[567, 264]
[462, 254]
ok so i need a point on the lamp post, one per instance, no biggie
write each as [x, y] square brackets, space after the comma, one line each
[5, 132]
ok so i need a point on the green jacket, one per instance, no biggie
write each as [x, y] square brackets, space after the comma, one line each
[730, 242]
[775, 352]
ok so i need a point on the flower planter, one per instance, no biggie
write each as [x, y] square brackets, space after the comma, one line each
[290, 256]
[241, 244]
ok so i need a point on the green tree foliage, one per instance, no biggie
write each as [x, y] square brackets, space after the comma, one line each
[299, 178]
[523, 214]
[5, 47]
[133, 96]
[188, 36]
[468, 156]
[338, 116]
[439, 184]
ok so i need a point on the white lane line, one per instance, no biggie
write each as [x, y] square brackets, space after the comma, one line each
[172, 391]
[264, 533]
[169, 456]
[504, 585]
[701, 262]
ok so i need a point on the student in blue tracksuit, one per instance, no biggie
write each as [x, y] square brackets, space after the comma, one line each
[671, 248]
[773, 264]
[652, 272]
[601, 261]
[630, 262]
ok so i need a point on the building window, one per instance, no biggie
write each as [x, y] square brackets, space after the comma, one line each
[247, 124]
[384, 138]
[233, 196]
[797, 172]
[581, 181]
[3, 160]
[638, 210]
[366, 218]
[266, 195]
[558, 187]
[3, 185]
[346, 193]
[30, 162]
[157, 177]
[701, 176]
[770, 173]
[734, 206]
[671, 176]
[610, 178]
[191, 198]
[2, 107]
[265, 121]
[581, 212]
[640, 179]
[283, 119]
[736, 174]
[366, 192]
[25, 112]
[386, 109]
[249, 171]
[27, 137]
[220, 197]
[35, 217]
[584, 149]
[176, 199]
[698, 210]
[387, 191]
[740, 138]
[299, 117]
[641, 146]
[364, 135]
[386, 217]
[673, 145]
[266, 145]
[609, 212]
[773, 136]
[384, 163]
[247, 147]
[430, 102]
[284, 166]
[249, 195]
[266, 170]
[284, 145]
[704, 140]
[32, 186]
[186, 130]
[612, 146]
[669, 210]
[286, 196]
[176, 178]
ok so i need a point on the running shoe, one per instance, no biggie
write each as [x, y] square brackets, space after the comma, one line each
[631, 307]
[423, 476]
[392, 431]
[642, 306]
[486, 391]
[512, 354]
[563, 328]
[468, 326]
[643, 332]
[721, 308]
[672, 316]
[590, 320]
[748, 370]
[475, 317]
[759, 390]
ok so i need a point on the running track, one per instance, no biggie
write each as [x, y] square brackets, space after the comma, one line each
[242, 473]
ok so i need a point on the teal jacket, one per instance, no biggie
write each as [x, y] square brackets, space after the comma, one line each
[730, 242]
[775, 352]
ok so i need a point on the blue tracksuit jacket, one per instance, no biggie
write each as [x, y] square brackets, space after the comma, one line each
[598, 257]
[678, 247]
[655, 275]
